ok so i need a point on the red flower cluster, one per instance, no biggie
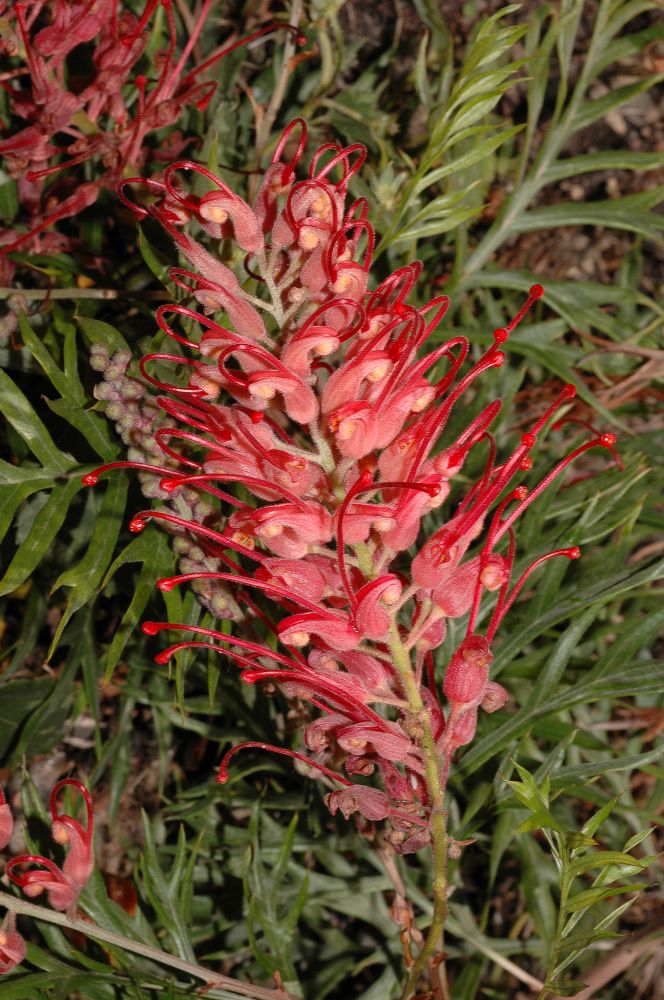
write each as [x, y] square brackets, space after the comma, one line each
[318, 398]
[12, 946]
[103, 118]
[35, 874]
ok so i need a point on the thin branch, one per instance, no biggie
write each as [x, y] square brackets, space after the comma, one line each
[83, 293]
[509, 966]
[214, 981]
[624, 348]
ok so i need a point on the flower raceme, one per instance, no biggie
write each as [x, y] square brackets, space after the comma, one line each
[308, 420]
[35, 874]
[106, 119]
[6, 821]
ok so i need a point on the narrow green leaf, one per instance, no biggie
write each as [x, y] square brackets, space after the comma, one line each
[11, 475]
[67, 387]
[290, 923]
[86, 576]
[591, 826]
[541, 819]
[579, 774]
[566, 37]
[20, 698]
[613, 159]
[12, 499]
[154, 260]
[98, 332]
[627, 646]
[9, 203]
[638, 838]
[566, 987]
[589, 897]
[46, 526]
[143, 588]
[478, 151]
[602, 860]
[638, 676]
[631, 212]
[20, 414]
[438, 226]
[93, 427]
[592, 111]
[164, 901]
[626, 47]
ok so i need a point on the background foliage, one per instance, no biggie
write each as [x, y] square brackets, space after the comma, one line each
[505, 143]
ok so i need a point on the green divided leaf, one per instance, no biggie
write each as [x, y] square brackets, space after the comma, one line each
[47, 523]
[98, 332]
[85, 578]
[21, 415]
[164, 895]
[631, 212]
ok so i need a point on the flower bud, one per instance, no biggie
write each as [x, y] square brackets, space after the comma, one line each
[467, 675]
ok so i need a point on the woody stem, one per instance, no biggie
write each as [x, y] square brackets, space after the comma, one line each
[217, 984]
[435, 775]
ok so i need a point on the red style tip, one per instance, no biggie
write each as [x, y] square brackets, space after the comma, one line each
[136, 524]
[536, 291]
[168, 485]
[162, 659]
[526, 463]
[165, 585]
[568, 391]
[607, 440]
[256, 417]
[498, 359]
[573, 553]
[500, 335]
[429, 488]
[251, 676]
[520, 493]
[151, 628]
[528, 440]
[91, 479]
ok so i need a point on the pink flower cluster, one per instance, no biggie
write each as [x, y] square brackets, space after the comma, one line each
[102, 119]
[319, 398]
[36, 874]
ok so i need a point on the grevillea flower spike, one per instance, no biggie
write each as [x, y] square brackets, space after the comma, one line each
[105, 122]
[36, 874]
[12, 945]
[6, 821]
[316, 396]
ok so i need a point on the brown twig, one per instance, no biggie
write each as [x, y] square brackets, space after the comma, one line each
[624, 348]
[216, 983]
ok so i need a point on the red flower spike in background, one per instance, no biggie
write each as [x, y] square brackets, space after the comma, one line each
[44, 876]
[68, 831]
[105, 122]
[315, 396]
[12, 945]
[35, 874]
[6, 821]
